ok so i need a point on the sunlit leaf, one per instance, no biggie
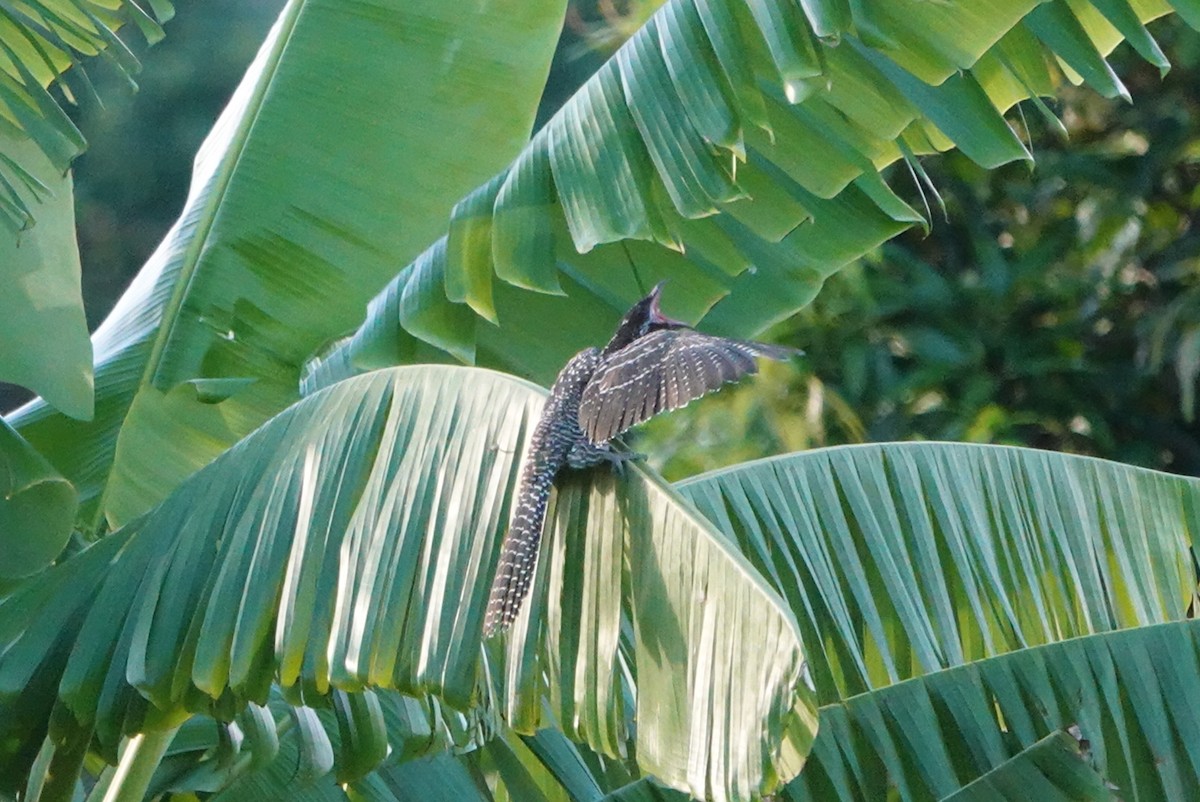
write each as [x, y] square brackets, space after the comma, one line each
[336, 161]
[727, 148]
[351, 543]
[972, 590]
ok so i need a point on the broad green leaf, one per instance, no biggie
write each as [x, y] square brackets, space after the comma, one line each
[542, 768]
[262, 735]
[434, 779]
[206, 755]
[55, 772]
[988, 730]
[293, 773]
[280, 748]
[350, 543]
[727, 148]
[986, 721]
[567, 763]
[997, 729]
[43, 334]
[37, 508]
[644, 790]
[29, 669]
[360, 724]
[42, 43]
[902, 559]
[517, 773]
[942, 560]
[1053, 769]
[145, 463]
[418, 727]
[316, 759]
[338, 159]
[1056, 26]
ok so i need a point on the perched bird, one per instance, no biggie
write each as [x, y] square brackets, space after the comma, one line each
[652, 364]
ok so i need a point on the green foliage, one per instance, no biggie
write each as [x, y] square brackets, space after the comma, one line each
[1053, 769]
[361, 557]
[994, 575]
[958, 733]
[42, 43]
[749, 205]
[45, 340]
[975, 617]
[273, 256]
[1051, 308]
[37, 508]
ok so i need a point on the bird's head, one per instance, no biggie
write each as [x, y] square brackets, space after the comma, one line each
[644, 317]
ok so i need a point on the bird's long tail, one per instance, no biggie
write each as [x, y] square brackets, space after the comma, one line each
[518, 555]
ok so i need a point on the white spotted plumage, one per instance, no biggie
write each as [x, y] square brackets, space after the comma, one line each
[556, 434]
[651, 365]
[662, 371]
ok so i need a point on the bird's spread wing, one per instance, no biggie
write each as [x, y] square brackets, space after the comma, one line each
[663, 371]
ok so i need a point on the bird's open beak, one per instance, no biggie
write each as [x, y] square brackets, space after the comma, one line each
[656, 315]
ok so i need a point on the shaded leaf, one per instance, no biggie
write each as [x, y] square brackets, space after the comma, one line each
[37, 507]
[963, 600]
[44, 342]
[994, 729]
[1053, 769]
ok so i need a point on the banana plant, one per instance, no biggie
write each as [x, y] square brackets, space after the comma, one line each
[241, 545]
[350, 543]
[960, 606]
[733, 147]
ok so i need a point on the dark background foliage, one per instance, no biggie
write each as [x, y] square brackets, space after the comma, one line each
[1058, 307]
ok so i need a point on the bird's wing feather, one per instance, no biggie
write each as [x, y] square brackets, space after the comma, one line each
[662, 371]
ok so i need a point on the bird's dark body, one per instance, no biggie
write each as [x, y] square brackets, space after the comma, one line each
[651, 365]
[554, 438]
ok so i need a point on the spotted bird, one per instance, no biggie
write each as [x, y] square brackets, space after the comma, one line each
[652, 364]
